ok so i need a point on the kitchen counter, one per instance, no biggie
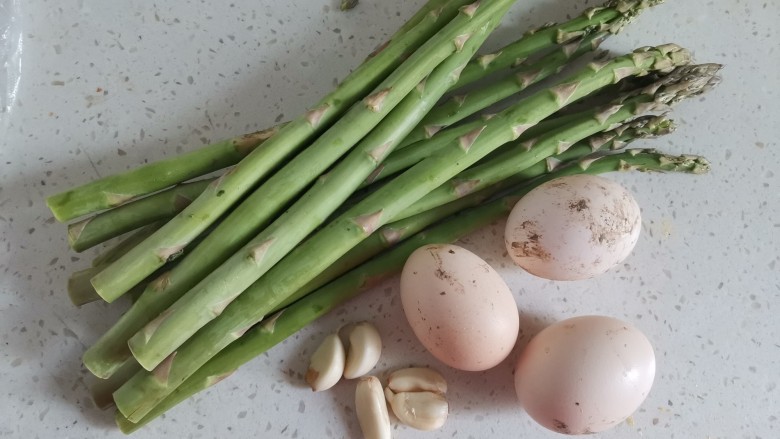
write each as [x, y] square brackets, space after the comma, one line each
[105, 86]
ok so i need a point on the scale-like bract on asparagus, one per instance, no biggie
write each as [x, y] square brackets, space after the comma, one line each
[230, 187]
[296, 316]
[206, 300]
[145, 389]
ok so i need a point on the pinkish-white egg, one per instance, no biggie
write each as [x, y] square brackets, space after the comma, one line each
[459, 307]
[585, 374]
[573, 227]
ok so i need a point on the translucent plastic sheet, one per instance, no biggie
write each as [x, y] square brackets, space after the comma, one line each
[10, 56]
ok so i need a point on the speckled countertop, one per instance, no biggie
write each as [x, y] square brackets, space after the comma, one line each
[105, 86]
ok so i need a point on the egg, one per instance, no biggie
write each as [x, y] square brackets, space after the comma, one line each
[585, 374]
[573, 227]
[459, 307]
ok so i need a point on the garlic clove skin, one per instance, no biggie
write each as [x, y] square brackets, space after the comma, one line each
[327, 364]
[417, 379]
[421, 410]
[371, 409]
[365, 347]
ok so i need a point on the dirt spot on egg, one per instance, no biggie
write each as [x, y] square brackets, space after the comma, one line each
[530, 249]
[579, 205]
[561, 426]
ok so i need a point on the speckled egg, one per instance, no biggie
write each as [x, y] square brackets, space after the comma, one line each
[573, 227]
[585, 374]
[459, 307]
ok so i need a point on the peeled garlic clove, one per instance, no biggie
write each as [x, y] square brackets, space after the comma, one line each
[417, 379]
[365, 346]
[421, 410]
[371, 409]
[327, 364]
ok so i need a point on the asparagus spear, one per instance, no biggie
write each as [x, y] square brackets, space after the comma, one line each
[156, 341]
[110, 351]
[682, 83]
[165, 204]
[461, 106]
[112, 191]
[145, 389]
[161, 206]
[405, 158]
[80, 289]
[112, 253]
[117, 189]
[392, 233]
[296, 316]
[139, 262]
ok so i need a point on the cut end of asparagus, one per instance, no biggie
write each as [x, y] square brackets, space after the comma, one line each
[74, 233]
[80, 290]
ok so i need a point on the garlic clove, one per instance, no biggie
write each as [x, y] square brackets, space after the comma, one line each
[371, 409]
[416, 379]
[327, 364]
[421, 410]
[365, 346]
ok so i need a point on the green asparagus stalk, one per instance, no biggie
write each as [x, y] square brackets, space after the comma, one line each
[112, 191]
[110, 351]
[405, 158]
[139, 262]
[112, 223]
[81, 291]
[146, 389]
[112, 253]
[392, 233]
[118, 189]
[461, 106]
[165, 204]
[682, 83]
[298, 315]
[158, 338]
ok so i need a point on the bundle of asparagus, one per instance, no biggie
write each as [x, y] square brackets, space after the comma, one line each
[222, 269]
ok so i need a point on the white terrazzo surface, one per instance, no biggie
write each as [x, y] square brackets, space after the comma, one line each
[108, 85]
